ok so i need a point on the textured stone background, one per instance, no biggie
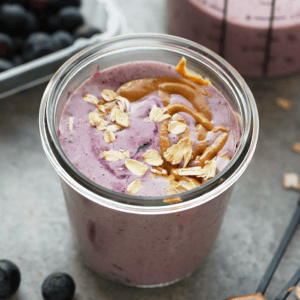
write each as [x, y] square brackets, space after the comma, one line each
[34, 229]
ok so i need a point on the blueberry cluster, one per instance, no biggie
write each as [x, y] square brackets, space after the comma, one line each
[30, 29]
[57, 286]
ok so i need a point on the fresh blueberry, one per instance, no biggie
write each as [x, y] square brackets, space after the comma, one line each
[38, 6]
[18, 42]
[70, 18]
[32, 23]
[22, 2]
[37, 45]
[86, 31]
[53, 23]
[70, 3]
[13, 17]
[49, 22]
[52, 6]
[6, 45]
[62, 3]
[58, 286]
[43, 6]
[10, 276]
[62, 39]
[43, 22]
[17, 60]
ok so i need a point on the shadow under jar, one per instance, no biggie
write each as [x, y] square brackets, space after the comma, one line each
[144, 241]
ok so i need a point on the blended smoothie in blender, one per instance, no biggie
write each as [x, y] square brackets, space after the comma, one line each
[258, 38]
[148, 129]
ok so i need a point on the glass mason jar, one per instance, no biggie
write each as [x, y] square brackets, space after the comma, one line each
[144, 241]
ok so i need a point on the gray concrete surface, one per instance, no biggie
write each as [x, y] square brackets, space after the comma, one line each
[34, 228]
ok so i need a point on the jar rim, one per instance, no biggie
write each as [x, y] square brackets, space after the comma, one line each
[138, 204]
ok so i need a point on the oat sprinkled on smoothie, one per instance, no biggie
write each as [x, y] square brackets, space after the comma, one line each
[176, 129]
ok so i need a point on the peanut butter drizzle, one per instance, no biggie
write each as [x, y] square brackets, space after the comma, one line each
[137, 89]
[222, 128]
[101, 102]
[178, 107]
[201, 90]
[164, 144]
[181, 69]
[213, 149]
[188, 93]
[165, 98]
[200, 148]
[164, 141]
[256, 296]
[191, 90]
[201, 131]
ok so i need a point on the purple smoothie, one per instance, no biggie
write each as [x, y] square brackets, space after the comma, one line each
[140, 249]
[83, 144]
[243, 32]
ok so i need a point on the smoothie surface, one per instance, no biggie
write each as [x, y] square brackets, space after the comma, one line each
[162, 135]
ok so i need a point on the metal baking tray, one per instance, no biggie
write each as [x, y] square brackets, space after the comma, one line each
[102, 14]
